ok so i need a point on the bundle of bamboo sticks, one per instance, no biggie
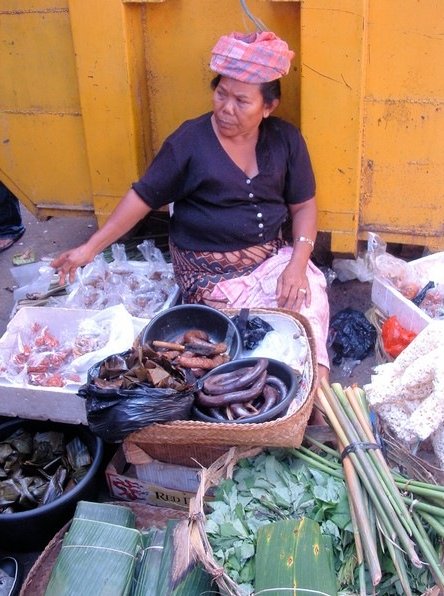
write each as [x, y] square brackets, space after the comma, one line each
[385, 507]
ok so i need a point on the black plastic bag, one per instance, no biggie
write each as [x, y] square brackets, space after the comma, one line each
[418, 299]
[252, 329]
[351, 335]
[112, 414]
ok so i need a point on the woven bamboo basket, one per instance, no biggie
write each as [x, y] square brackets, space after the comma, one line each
[287, 431]
[38, 577]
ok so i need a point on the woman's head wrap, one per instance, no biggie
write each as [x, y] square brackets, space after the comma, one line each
[257, 57]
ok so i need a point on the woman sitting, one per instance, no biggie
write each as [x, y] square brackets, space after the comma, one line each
[235, 175]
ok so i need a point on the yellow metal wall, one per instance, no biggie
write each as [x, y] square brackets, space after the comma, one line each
[403, 123]
[90, 88]
[372, 111]
[42, 157]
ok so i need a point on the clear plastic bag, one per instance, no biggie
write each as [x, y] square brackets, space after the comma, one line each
[363, 267]
[143, 287]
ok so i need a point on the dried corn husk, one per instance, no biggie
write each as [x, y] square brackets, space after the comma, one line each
[200, 546]
[180, 575]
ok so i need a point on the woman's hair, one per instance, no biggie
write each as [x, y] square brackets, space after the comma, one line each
[270, 91]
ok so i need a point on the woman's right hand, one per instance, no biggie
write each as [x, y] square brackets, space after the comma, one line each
[67, 263]
[128, 212]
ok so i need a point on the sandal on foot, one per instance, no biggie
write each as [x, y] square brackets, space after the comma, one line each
[6, 243]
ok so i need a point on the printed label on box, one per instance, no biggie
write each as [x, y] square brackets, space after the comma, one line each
[124, 485]
[129, 489]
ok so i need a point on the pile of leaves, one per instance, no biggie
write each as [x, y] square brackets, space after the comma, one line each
[277, 485]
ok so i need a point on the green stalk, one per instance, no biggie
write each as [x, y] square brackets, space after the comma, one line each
[362, 401]
[317, 464]
[320, 445]
[398, 561]
[372, 518]
[433, 488]
[437, 526]
[366, 473]
[429, 550]
[361, 578]
[337, 473]
[420, 490]
[421, 506]
[362, 531]
[375, 457]
[334, 465]
[420, 536]
[432, 491]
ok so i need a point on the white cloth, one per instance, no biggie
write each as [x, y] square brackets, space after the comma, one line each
[258, 290]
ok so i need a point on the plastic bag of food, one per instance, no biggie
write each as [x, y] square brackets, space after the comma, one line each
[363, 267]
[395, 337]
[151, 253]
[128, 391]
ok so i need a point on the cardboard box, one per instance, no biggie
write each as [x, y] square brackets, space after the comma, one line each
[33, 402]
[181, 455]
[392, 303]
[124, 483]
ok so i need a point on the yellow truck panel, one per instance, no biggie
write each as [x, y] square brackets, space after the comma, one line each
[89, 90]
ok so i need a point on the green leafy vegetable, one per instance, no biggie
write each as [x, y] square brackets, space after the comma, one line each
[278, 484]
[271, 487]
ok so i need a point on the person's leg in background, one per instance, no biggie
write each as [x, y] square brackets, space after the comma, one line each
[11, 225]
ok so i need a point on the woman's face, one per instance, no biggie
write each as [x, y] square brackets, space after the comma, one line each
[239, 107]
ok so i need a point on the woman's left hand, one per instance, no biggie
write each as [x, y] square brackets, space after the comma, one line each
[293, 289]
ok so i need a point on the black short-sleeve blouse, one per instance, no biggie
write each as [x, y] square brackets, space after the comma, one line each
[216, 206]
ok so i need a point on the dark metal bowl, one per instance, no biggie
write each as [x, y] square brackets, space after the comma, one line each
[177, 320]
[32, 529]
[275, 368]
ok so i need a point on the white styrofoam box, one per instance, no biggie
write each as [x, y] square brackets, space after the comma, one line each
[42, 403]
[392, 303]
[18, 398]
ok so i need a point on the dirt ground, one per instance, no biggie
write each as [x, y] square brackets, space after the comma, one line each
[46, 238]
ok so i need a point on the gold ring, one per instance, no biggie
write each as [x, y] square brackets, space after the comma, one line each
[302, 290]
